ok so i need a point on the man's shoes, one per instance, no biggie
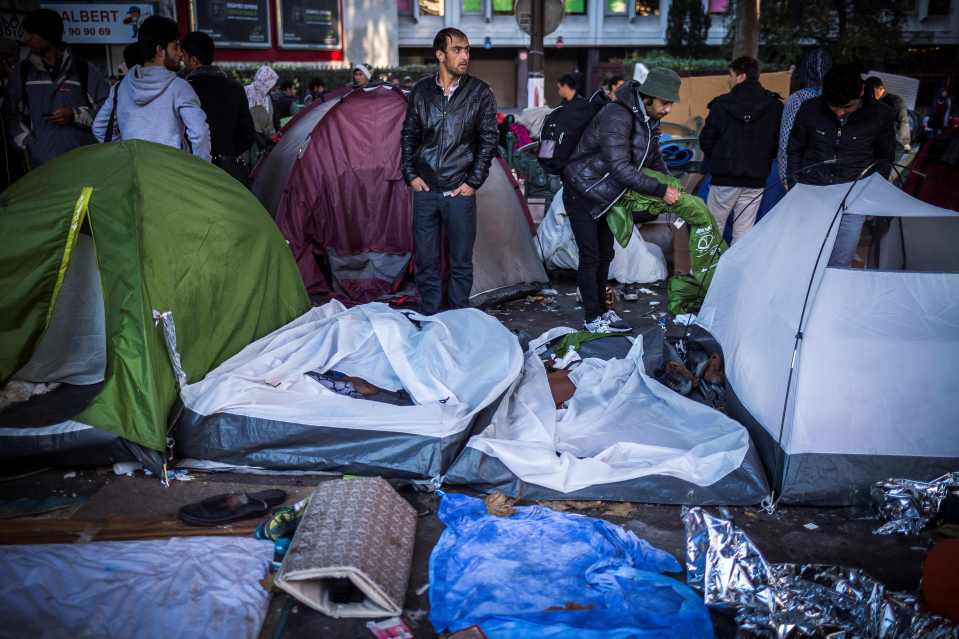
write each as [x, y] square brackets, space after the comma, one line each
[630, 292]
[616, 323]
[597, 325]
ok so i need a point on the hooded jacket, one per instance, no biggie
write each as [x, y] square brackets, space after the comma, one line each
[826, 150]
[153, 104]
[741, 135]
[618, 142]
[227, 112]
[449, 141]
[48, 90]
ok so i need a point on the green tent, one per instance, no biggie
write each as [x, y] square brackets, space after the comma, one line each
[171, 234]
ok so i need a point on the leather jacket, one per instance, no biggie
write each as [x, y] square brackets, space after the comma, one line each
[618, 142]
[449, 141]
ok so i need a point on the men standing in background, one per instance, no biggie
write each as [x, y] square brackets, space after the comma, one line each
[152, 103]
[813, 68]
[224, 102]
[606, 93]
[283, 102]
[877, 90]
[317, 91]
[53, 95]
[362, 74]
[739, 140]
[839, 137]
[449, 140]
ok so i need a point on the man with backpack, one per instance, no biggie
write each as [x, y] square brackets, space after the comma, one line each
[617, 144]
[740, 140]
[151, 102]
[53, 95]
[563, 126]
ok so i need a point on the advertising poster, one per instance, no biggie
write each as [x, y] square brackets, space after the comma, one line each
[241, 24]
[101, 23]
[309, 24]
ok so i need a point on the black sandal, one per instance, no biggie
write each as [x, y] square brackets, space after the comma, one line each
[223, 509]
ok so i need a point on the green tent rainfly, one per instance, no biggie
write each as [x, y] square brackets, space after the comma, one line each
[171, 234]
[685, 292]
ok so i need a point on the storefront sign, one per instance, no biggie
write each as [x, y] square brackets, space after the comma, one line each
[310, 24]
[101, 23]
[241, 24]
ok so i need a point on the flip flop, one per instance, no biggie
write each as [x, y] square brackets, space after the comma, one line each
[223, 509]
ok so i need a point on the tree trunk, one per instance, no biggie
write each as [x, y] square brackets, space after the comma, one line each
[747, 29]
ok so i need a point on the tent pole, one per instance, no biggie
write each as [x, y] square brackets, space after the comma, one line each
[769, 504]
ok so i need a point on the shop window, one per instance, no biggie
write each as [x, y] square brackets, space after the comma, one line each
[647, 8]
[576, 7]
[503, 7]
[616, 7]
[472, 6]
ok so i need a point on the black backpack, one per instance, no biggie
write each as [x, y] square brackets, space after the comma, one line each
[559, 137]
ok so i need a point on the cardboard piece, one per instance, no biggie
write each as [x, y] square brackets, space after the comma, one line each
[356, 529]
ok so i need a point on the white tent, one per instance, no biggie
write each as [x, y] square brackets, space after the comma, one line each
[265, 406]
[846, 376]
[640, 262]
[622, 436]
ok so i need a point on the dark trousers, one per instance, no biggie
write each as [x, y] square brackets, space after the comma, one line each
[432, 211]
[594, 241]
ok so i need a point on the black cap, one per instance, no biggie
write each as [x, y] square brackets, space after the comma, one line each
[45, 23]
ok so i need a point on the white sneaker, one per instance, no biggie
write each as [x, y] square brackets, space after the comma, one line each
[597, 325]
[616, 323]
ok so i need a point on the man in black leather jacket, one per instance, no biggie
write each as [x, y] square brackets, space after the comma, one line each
[449, 139]
[621, 140]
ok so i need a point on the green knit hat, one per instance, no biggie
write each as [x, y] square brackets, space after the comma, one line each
[662, 83]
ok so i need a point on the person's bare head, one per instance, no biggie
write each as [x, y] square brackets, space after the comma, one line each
[159, 43]
[567, 87]
[612, 85]
[875, 87]
[741, 69]
[452, 50]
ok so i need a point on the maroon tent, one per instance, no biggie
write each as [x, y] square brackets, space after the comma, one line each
[334, 185]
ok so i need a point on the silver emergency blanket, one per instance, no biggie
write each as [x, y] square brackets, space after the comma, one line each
[910, 505]
[789, 601]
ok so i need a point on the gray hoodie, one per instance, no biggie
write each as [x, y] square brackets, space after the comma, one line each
[155, 105]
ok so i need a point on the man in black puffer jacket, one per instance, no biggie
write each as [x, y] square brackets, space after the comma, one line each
[740, 140]
[449, 140]
[622, 139]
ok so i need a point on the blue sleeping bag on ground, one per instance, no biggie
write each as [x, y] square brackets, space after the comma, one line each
[540, 574]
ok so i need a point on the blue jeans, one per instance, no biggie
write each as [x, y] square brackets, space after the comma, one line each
[432, 211]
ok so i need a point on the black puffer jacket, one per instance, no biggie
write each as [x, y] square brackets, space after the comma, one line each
[741, 135]
[615, 146]
[818, 136]
[449, 141]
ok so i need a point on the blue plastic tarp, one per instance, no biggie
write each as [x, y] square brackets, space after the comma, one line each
[541, 573]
